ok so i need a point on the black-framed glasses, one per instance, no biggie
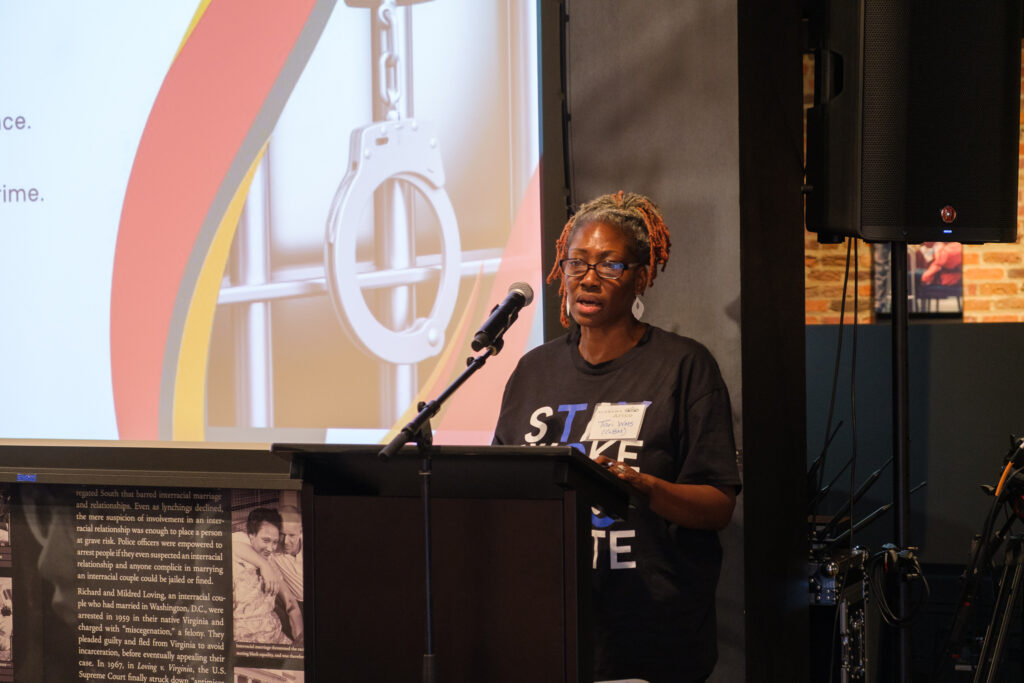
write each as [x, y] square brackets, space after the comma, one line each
[609, 270]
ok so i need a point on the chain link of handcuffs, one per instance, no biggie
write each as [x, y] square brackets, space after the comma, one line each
[396, 149]
[390, 88]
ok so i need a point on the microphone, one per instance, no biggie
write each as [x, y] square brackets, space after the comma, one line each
[503, 315]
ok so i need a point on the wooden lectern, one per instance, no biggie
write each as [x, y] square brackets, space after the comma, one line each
[512, 554]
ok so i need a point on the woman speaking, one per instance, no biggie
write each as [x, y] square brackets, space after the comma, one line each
[652, 406]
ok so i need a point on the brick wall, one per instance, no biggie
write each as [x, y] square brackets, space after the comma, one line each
[993, 273]
[994, 280]
[824, 271]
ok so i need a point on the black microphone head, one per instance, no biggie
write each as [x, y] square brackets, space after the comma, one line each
[524, 289]
[503, 315]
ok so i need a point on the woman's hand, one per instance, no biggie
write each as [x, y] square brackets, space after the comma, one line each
[694, 506]
[273, 582]
[626, 473]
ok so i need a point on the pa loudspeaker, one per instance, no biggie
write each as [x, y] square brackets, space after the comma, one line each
[914, 131]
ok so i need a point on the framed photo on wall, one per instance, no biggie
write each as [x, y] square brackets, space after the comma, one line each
[934, 279]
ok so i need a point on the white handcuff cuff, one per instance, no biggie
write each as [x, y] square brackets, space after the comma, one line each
[405, 151]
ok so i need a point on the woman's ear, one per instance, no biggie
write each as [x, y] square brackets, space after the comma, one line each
[641, 280]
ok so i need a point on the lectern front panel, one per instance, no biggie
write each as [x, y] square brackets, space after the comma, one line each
[498, 600]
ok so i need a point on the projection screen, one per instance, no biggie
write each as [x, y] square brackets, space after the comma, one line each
[262, 221]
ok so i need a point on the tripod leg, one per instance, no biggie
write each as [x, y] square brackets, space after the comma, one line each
[1004, 626]
[1001, 612]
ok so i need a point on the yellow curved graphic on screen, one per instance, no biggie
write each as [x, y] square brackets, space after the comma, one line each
[200, 11]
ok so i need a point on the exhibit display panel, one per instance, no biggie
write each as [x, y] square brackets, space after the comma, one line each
[293, 562]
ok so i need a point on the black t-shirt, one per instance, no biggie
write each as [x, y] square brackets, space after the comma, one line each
[665, 412]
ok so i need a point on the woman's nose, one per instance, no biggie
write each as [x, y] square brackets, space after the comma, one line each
[590, 277]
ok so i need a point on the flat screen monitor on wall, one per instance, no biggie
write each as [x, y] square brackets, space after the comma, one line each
[235, 222]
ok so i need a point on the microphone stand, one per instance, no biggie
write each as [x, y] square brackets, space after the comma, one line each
[848, 506]
[418, 430]
[834, 542]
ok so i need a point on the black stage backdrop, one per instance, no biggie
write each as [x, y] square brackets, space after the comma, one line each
[653, 99]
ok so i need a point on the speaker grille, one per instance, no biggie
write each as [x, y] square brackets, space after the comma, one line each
[886, 76]
[941, 103]
[929, 118]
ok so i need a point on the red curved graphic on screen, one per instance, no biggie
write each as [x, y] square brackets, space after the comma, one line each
[205, 108]
[471, 415]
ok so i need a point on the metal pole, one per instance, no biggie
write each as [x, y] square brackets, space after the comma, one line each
[394, 232]
[429, 674]
[901, 442]
[253, 340]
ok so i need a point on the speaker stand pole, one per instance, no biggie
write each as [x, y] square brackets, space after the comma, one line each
[901, 443]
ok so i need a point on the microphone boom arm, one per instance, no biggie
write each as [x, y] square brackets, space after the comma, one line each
[418, 429]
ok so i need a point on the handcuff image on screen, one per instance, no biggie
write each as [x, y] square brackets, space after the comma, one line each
[383, 201]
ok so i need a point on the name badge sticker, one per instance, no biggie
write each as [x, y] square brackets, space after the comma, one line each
[615, 421]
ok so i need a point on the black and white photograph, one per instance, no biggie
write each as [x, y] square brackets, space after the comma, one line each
[267, 590]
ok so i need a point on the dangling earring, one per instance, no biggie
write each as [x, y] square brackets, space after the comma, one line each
[638, 307]
[568, 313]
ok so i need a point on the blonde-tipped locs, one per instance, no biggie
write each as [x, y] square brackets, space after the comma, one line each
[639, 220]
